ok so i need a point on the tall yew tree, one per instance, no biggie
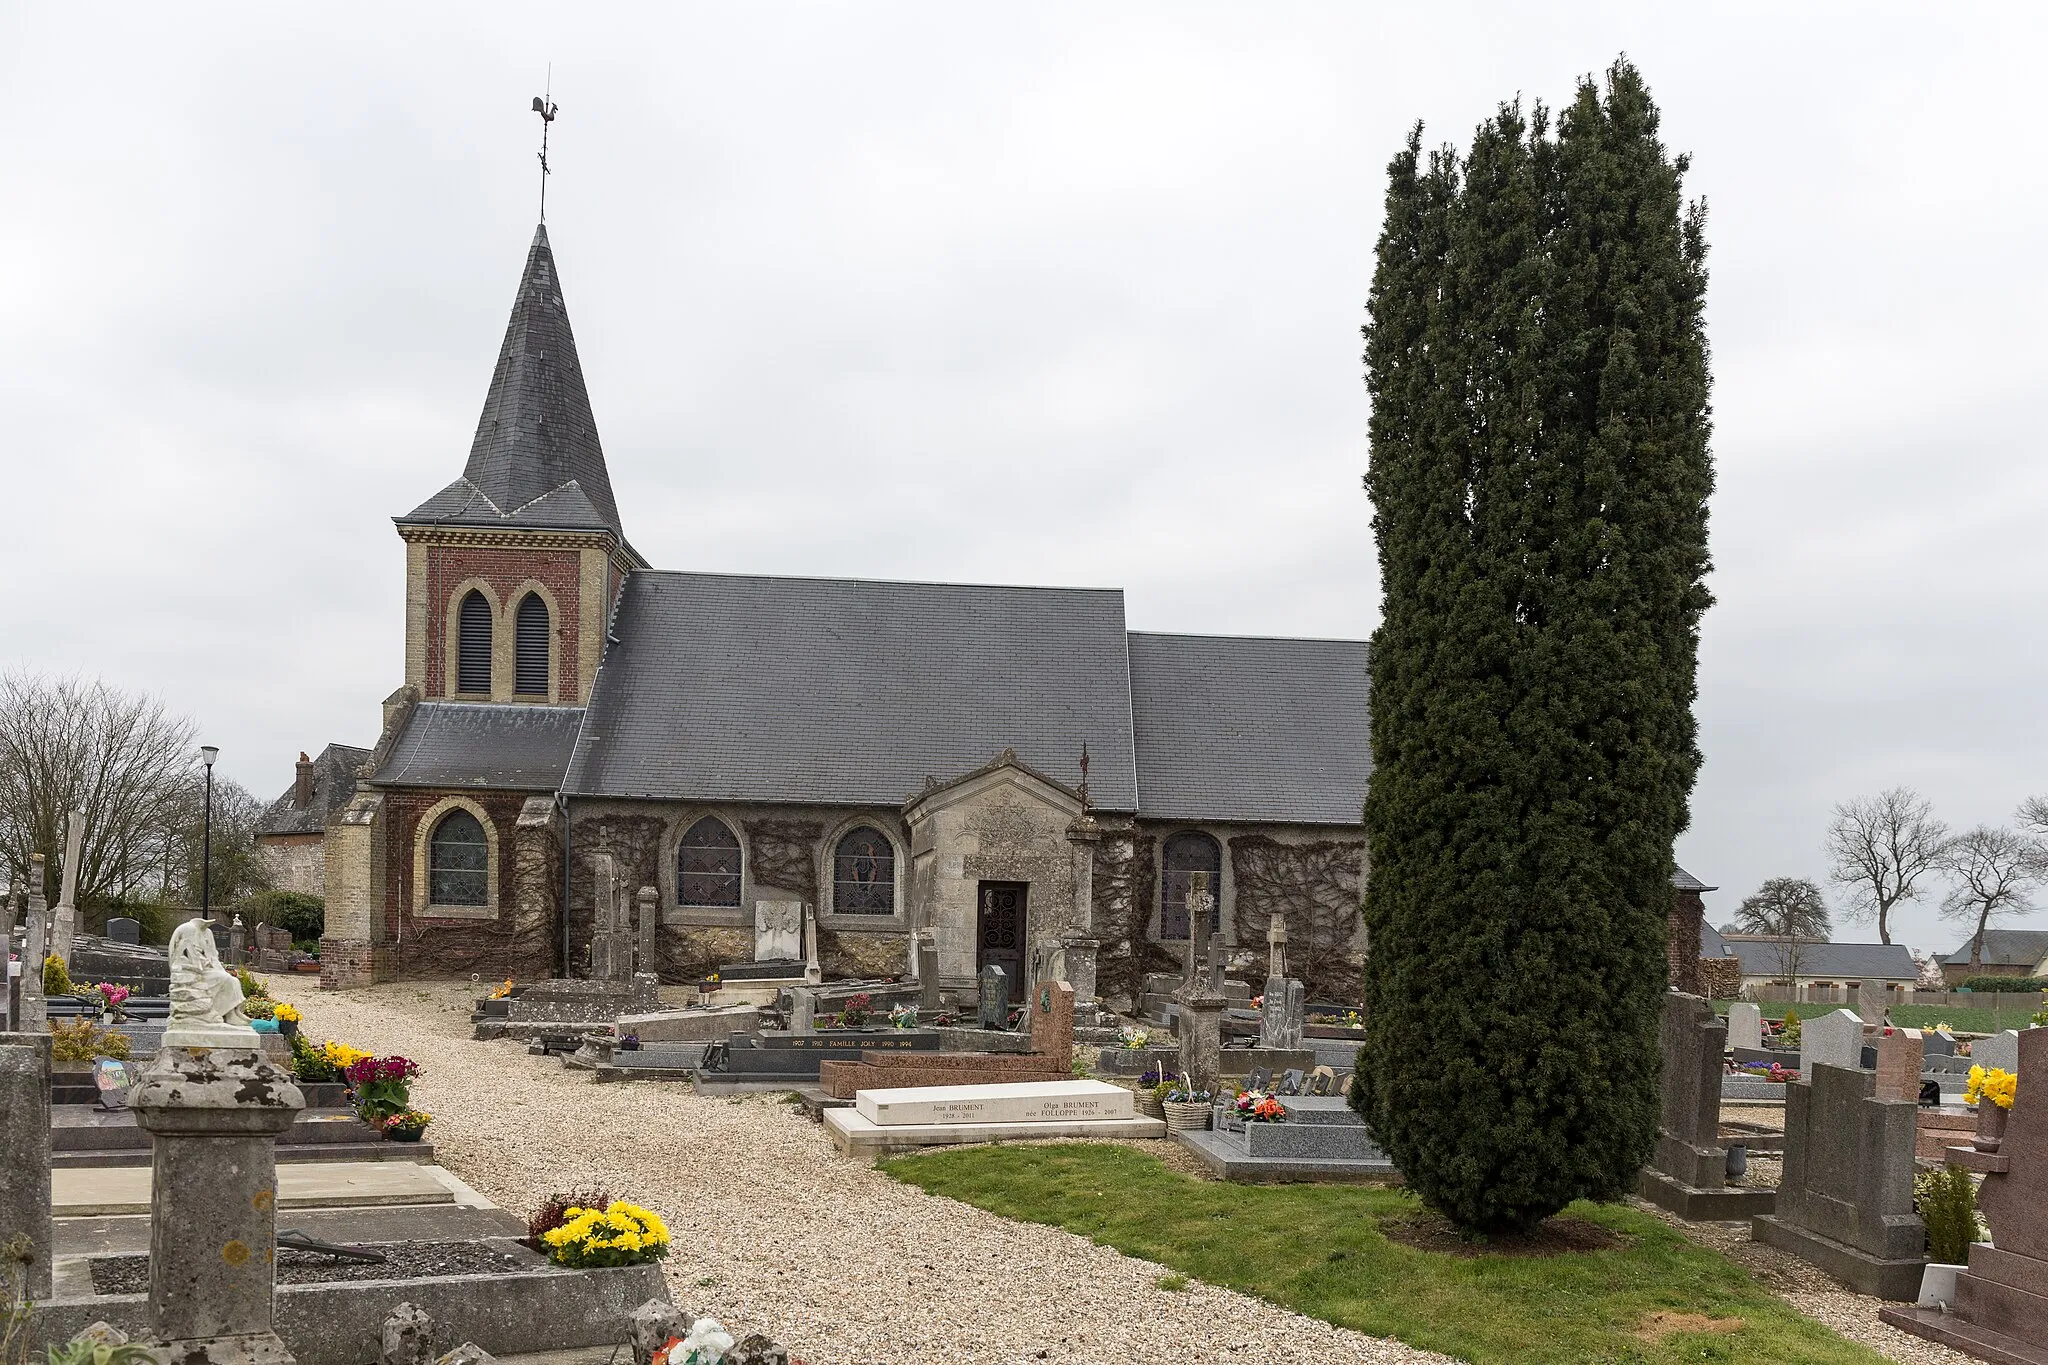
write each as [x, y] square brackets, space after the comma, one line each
[1539, 475]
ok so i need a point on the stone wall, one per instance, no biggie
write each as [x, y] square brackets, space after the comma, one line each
[295, 862]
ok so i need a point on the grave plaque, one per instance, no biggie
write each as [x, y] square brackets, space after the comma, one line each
[1831, 1040]
[124, 930]
[995, 997]
[111, 1079]
[778, 931]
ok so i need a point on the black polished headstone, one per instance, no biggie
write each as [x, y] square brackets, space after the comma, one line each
[122, 930]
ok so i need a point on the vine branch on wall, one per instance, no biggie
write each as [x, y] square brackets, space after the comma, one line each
[1314, 887]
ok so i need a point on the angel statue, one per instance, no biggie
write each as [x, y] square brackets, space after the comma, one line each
[206, 999]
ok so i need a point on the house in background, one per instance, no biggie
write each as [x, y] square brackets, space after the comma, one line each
[291, 838]
[1771, 960]
[2007, 952]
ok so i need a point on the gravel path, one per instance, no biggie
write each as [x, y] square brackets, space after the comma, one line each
[775, 1232]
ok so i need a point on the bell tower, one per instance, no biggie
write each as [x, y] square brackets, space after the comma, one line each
[511, 570]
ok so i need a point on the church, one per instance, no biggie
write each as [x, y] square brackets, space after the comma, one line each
[1009, 774]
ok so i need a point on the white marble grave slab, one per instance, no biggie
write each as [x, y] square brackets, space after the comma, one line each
[1832, 1040]
[1019, 1102]
[1745, 1025]
[856, 1136]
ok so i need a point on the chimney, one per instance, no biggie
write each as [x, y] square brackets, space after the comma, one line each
[302, 794]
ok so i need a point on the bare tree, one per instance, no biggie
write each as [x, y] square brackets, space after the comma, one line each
[69, 744]
[1790, 911]
[1881, 847]
[1995, 870]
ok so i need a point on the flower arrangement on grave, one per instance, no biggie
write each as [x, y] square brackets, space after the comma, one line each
[253, 987]
[56, 980]
[112, 997]
[1256, 1106]
[1352, 1020]
[858, 1010]
[1132, 1037]
[1997, 1085]
[83, 1041]
[2040, 1020]
[903, 1016]
[1788, 1032]
[705, 1343]
[618, 1234]
[502, 990]
[408, 1125]
[258, 1009]
[1185, 1092]
[1156, 1076]
[1768, 1071]
[381, 1087]
[309, 1061]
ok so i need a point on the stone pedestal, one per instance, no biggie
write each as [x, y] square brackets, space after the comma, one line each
[927, 973]
[1201, 1039]
[25, 1139]
[213, 1117]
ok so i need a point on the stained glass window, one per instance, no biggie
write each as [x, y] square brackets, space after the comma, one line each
[864, 874]
[708, 865]
[458, 861]
[1185, 855]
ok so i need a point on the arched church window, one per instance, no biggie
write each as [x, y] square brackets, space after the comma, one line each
[1185, 855]
[708, 865]
[458, 861]
[473, 644]
[864, 874]
[530, 659]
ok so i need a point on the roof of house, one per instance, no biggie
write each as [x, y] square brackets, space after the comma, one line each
[535, 461]
[1841, 961]
[1681, 880]
[1711, 942]
[479, 745]
[334, 783]
[2006, 948]
[848, 691]
[1250, 729]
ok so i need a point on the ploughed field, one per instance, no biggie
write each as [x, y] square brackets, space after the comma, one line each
[774, 1232]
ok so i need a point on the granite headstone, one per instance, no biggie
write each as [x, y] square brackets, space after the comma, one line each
[1834, 1039]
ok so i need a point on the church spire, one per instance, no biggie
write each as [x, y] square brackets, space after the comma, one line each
[536, 460]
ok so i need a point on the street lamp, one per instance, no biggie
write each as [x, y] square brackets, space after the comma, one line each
[207, 754]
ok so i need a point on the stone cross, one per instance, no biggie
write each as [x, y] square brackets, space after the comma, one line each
[65, 922]
[814, 973]
[1199, 902]
[1276, 946]
[1745, 1025]
[1834, 1039]
[1219, 960]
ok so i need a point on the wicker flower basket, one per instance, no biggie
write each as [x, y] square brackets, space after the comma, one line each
[1150, 1105]
[1186, 1118]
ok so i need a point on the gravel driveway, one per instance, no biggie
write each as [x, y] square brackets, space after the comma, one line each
[774, 1232]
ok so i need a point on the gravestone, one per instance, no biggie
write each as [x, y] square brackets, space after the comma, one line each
[1052, 1022]
[111, 1079]
[1283, 1013]
[1201, 1040]
[646, 956]
[778, 931]
[1834, 1039]
[928, 974]
[25, 1138]
[1937, 1044]
[611, 932]
[1688, 1174]
[803, 1009]
[2000, 1051]
[814, 972]
[1745, 1025]
[34, 1013]
[1898, 1065]
[2001, 1301]
[1867, 1000]
[1846, 1201]
[994, 1011]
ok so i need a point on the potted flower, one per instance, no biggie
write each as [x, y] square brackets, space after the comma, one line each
[858, 1010]
[112, 997]
[1186, 1108]
[617, 1234]
[1256, 1106]
[381, 1087]
[407, 1125]
[1992, 1092]
[903, 1016]
[287, 1017]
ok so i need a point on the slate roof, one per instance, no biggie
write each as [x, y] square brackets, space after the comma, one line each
[848, 691]
[334, 783]
[1840, 961]
[536, 460]
[1681, 880]
[2006, 948]
[1232, 728]
[1711, 942]
[479, 745]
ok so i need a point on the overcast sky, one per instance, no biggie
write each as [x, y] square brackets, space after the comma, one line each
[1061, 294]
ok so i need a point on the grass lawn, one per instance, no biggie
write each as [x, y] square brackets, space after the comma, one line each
[1319, 1250]
[1969, 1020]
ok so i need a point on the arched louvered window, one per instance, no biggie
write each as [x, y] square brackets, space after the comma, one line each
[473, 646]
[458, 861]
[1187, 855]
[864, 874]
[530, 666]
[708, 865]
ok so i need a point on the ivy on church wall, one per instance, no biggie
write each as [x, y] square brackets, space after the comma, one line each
[1124, 880]
[513, 944]
[783, 854]
[635, 842]
[1314, 886]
